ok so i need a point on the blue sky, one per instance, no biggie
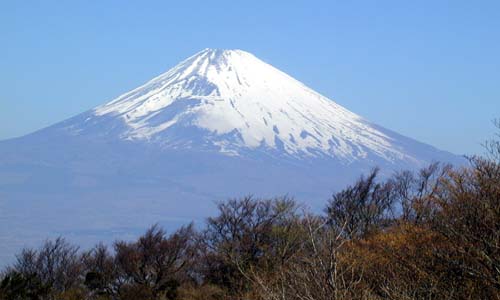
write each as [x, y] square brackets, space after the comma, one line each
[427, 69]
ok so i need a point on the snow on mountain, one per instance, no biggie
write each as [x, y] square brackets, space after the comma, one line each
[220, 124]
[240, 102]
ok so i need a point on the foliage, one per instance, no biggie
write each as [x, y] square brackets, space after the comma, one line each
[434, 234]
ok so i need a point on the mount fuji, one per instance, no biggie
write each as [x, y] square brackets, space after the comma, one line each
[220, 124]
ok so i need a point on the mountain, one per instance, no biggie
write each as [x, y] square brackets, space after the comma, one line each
[220, 124]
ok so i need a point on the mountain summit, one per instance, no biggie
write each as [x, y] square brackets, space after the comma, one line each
[232, 102]
[220, 124]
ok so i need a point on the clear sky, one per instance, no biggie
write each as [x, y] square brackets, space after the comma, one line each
[427, 69]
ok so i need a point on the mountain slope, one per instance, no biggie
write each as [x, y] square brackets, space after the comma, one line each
[232, 102]
[220, 124]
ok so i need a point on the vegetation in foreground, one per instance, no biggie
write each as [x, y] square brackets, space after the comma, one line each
[430, 235]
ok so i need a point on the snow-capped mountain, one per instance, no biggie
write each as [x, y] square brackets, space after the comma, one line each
[232, 102]
[220, 124]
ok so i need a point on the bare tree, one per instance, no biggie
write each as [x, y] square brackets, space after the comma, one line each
[153, 263]
[101, 273]
[414, 193]
[248, 234]
[493, 146]
[55, 268]
[469, 220]
[363, 207]
[317, 271]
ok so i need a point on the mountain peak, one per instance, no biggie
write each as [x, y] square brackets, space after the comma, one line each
[219, 59]
[232, 102]
[221, 51]
[215, 56]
